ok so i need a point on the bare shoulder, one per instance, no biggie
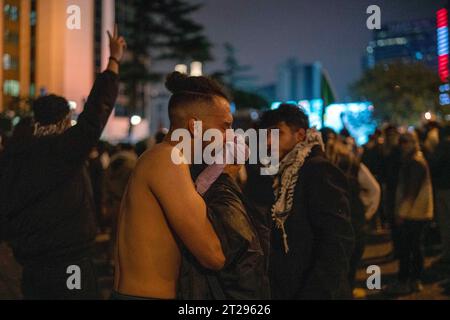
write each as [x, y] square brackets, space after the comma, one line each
[162, 154]
[161, 159]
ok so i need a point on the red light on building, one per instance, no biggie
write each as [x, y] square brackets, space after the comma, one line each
[443, 44]
[442, 18]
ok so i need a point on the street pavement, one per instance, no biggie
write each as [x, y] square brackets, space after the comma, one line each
[378, 252]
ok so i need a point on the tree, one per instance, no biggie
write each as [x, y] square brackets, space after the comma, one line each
[235, 73]
[158, 29]
[401, 93]
[236, 78]
[186, 41]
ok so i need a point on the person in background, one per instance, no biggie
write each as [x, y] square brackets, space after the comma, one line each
[430, 138]
[46, 204]
[160, 136]
[365, 194]
[96, 175]
[391, 161]
[413, 210]
[440, 170]
[328, 135]
[312, 235]
[116, 179]
[372, 154]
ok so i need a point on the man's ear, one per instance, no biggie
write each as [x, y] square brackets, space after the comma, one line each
[300, 135]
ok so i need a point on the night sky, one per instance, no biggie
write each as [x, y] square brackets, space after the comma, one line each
[334, 32]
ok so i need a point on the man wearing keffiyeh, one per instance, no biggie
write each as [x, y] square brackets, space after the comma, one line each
[312, 236]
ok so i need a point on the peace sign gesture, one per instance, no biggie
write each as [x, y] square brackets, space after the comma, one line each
[117, 44]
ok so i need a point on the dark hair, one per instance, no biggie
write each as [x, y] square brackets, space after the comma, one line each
[23, 129]
[188, 90]
[326, 133]
[126, 146]
[159, 136]
[50, 109]
[291, 114]
[444, 132]
[391, 129]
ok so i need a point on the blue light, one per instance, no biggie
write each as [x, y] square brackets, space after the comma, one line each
[357, 117]
[233, 107]
[444, 88]
[442, 41]
[419, 55]
[444, 99]
[275, 105]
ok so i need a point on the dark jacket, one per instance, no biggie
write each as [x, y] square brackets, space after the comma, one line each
[320, 236]
[440, 166]
[46, 205]
[245, 275]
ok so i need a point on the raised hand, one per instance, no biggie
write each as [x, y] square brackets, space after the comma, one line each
[117, 44]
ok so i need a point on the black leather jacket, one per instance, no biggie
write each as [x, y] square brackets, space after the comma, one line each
[245, 275]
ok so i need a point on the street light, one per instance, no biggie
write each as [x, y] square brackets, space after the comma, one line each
[196, 69]
[136, 120]
[181, 68]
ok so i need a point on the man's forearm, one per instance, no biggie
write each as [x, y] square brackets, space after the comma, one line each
[113, 66]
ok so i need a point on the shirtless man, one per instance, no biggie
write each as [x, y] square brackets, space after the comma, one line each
[161, 207]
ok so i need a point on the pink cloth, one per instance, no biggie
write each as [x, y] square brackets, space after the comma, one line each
[213, 172]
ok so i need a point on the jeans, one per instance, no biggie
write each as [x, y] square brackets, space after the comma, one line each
[410, 250]
[442, 205]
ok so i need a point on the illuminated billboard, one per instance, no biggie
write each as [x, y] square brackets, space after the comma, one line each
[356, 117]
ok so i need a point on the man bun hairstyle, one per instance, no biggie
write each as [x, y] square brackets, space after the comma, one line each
[191, 91]
[178, 83]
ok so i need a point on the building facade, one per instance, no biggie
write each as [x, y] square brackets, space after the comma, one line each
[41, 54]
[408, 41]
[297, 81]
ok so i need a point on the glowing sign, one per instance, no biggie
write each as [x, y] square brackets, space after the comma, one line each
[356, 117]
[312, 108]
[443, 51]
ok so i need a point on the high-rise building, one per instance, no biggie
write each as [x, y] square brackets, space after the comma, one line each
[40, 54]
[408, 41]
[297, 81]
[15, 50]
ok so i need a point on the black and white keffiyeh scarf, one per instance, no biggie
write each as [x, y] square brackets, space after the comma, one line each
[287, 178]
[41, 130]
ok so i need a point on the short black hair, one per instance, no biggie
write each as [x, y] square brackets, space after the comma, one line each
[188, 90]
[50, 109]
[291, 114]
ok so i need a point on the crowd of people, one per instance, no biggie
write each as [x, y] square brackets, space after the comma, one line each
[412, 166]
[180, 231]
